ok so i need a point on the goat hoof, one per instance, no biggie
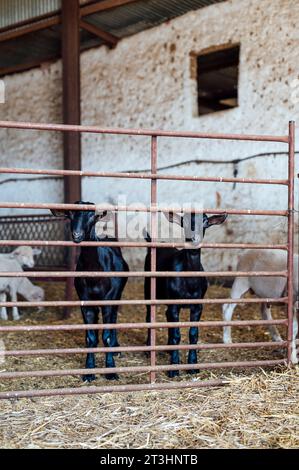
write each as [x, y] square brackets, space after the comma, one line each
[192, 371]
[119, 354]
[88, 378]
[276, 352]
[112, 376]
[173, 373]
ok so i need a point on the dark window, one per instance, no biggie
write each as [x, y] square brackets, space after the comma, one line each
[217, 80]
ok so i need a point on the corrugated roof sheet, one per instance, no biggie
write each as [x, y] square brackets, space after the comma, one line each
[136, 17]
[15, 11]
[37, 47]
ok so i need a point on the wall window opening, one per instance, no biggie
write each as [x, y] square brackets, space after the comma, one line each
[217, 80]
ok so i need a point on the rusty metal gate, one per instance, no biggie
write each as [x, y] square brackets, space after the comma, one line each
[154, 208]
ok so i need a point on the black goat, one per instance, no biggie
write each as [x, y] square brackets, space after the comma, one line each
[96, 288]
[172, 259]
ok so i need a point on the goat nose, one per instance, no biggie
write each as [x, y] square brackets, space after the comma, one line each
[77, 236]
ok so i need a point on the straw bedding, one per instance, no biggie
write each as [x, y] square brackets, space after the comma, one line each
[256, 408]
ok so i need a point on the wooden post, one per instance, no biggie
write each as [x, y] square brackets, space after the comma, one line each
[70, 18]
[71, 95]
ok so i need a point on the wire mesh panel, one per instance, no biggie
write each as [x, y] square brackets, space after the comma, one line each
[37, 227]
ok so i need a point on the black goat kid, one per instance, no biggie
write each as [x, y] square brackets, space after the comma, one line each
[172, 259]
[96, 288]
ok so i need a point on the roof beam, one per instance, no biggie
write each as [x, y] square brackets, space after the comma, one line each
[108, 38]
[28, 21]
[46, 21]
[103, 5]
[30, 28]
[26, 66]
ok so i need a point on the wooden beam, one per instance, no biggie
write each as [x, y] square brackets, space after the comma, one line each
[103, 6]
[30, 28]
[28, 21]
[46, 21]
[71, 95]
[212, 105]
[217, 95]
[26, 66]
[71, 114]
[108, 38]
[52, 19]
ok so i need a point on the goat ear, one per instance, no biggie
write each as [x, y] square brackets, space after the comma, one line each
[174, 218]
[105, 216]
[60, 213]
[14, 253]
[215, 220]
[146, 236]
[36, 251]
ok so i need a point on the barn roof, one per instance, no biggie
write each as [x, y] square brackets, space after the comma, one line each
[30, 30]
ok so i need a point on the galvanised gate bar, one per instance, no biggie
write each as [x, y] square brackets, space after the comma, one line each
[154, 208]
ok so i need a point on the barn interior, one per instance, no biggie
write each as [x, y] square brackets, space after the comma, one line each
[34, 36]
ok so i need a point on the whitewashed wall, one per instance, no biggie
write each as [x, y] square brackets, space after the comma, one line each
[148, 80]
[31, 96]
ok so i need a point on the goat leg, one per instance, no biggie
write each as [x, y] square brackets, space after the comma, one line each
[114, 341]
[174, 337]
[239, 287]
[266, 315]
[148, 320]
[108, 339]
[90, 316]
[195, 314]
[3, 311]
[294, 358]
[15, 312]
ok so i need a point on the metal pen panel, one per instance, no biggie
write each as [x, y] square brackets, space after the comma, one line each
[154, 176]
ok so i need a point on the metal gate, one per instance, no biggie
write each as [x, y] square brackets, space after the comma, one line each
[153, 209]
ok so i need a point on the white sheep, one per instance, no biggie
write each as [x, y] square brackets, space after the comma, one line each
[263, 287]
[22, 256]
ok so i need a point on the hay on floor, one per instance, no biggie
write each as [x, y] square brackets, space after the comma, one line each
[76, 339]
[257, 410]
